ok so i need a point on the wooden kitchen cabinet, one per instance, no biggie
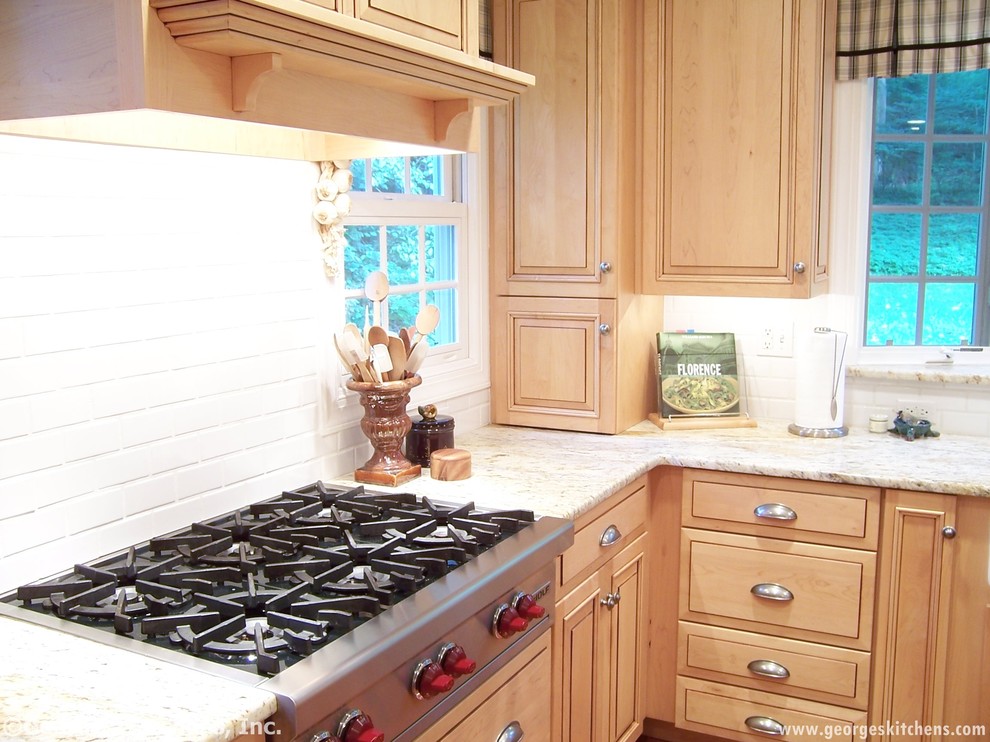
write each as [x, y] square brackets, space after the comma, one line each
[573, 344]
[599, 631]
[932, 655]
[776, 603]
[453, 23]
[737, 108]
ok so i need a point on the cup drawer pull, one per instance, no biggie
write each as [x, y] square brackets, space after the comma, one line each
[774, 511]
[610, 535]
[765, 725]
[768, 669]
[771, 591]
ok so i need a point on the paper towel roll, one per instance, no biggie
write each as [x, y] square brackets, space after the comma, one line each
[820, 356]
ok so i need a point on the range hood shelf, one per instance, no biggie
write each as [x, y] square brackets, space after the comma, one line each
[268, 77]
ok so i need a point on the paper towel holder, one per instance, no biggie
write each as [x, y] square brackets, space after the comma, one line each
[838, 358]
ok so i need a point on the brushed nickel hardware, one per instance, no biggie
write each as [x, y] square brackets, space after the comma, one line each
[949, 532]
[768, 669]
[774, 511]
[771, 591]
[604, 328]
[512, 733]
[765, 725]
[799, 267]
[605, 266]
[611, 599]
[610, 535]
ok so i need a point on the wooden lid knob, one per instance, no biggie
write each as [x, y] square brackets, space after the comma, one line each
[449, 464]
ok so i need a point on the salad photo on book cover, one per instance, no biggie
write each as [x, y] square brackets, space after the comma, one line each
[698, 374]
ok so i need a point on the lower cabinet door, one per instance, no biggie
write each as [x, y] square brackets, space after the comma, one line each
[514, 702]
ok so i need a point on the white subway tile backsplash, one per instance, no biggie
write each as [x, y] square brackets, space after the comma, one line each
[162, 341]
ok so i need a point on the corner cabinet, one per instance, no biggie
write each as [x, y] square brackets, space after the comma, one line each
[599, 639]
[568, 329]
[736, 117]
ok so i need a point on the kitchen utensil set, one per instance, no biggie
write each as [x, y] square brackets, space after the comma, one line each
[378, 356]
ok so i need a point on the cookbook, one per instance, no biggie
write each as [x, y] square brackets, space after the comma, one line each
[697, 374]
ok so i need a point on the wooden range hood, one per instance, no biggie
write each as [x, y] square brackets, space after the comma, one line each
[283, 78]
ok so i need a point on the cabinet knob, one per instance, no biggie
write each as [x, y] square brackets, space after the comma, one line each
[765, 725]
[611, 599]
[771, 591]
[799, 267]
[605, 266]
[604, 328]
[512, 733]
[949, 532]
[768, 669]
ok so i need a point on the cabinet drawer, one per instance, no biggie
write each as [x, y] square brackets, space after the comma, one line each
[831, 589]
[819, 512]
[803, 669]
[724, 710]
[587, 551]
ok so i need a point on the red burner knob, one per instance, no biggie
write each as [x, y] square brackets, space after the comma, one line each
[528, 608]
[508, 621]
[455, 662]
[356, 726]
[429, 679]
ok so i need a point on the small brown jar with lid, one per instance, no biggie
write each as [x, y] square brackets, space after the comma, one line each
[430, 432]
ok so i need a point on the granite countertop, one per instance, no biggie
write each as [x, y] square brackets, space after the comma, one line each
[552, 472]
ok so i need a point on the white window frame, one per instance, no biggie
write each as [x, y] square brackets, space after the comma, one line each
[852, 139]
[461, 368]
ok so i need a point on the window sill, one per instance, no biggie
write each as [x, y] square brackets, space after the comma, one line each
[938, 373]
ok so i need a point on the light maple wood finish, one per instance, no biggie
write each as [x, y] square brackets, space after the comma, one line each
[722, 710]
[164, 75]
[554, 366]
[932, 613]
[442, 21]
[833, 588]
[562, 207]
[517, 692]
[827, 513]
[563, 152]
[600, 651]
[627, 513]
[600, 645]
[735, 146]
[816, 672]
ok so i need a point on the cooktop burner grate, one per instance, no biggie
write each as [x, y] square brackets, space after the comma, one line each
[273, 582]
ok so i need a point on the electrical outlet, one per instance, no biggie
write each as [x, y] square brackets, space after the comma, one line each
[919, 409]
[777, 340]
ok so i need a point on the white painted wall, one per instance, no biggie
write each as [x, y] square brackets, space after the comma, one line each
[163, 318]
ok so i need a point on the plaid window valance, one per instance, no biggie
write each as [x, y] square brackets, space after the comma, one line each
[892, 38]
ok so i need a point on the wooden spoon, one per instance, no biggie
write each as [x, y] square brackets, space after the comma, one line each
[376, 289]
[397, 351]
[417, 355]
[406, 339]
[377, 336]
[427, 320]
[340, 343]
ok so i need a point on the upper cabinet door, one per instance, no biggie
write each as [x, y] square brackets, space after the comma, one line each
[562, 205]
[442, 21]
[736, 105]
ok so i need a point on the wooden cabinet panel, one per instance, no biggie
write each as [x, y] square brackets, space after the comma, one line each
[627, 644]
[627, 517]
[823, 512]
[817, 672]
[578, 677]
[832, 588]
[735, 147]
[442, 21]
[563, 153]
[723, 710]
